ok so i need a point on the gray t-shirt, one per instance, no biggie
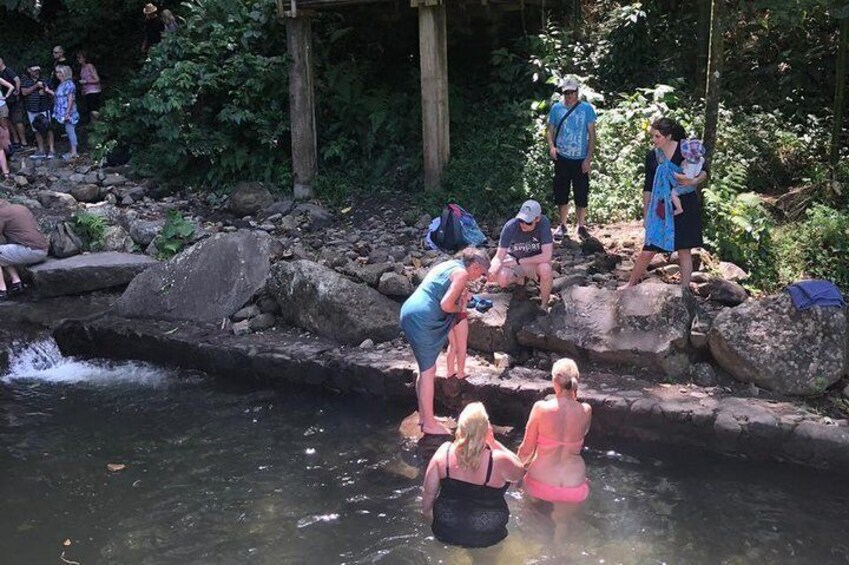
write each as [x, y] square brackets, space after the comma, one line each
[520, 244]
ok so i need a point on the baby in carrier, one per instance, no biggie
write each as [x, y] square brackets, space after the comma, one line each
[694, 159]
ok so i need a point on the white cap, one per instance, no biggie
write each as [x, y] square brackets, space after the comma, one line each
[530, 211]
[569, 83]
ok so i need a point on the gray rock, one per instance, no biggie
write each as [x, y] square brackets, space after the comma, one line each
[246, 313]
[393, 284]
[116, 238]
[86, 273]
[113, 179]
[320, 300]
[367, 344]
[731, 272]
[91, 178]
[262, 322]
[369, 274]
[78, 178]
[64, 242]
[319, 218]
[562, 283]
[248, 198]
[86, 192]
[143, 232]
[281, 207]
[267, 305]
[496, 329]
[770, 343]
[699, 329]
[642, 325]
[703, 375]
[206, 283]
[722, 292]
[65, 186]
[21, 181]
[591, 245]
[52, 199]
[241, 328]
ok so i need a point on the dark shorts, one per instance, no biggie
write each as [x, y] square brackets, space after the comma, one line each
[16, 112]
[92, 102]
[688, 225]
[568, 176]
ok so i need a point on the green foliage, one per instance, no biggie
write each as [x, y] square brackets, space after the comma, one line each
[175, 234]
[206, 107]
[817, 247]
[91, 228]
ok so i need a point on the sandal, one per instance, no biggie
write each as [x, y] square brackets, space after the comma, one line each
[473, 301]
[16, 288]
[3, 295]
[483, 305]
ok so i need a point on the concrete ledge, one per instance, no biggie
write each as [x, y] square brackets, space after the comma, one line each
[623, 406]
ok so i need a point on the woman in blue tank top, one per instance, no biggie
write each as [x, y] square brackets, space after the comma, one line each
[429, 315]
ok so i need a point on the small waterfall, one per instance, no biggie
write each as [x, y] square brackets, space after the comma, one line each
[42, 361]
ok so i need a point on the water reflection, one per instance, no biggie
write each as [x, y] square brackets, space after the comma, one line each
[217, 473]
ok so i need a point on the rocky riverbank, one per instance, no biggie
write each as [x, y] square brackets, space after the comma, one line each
[283, 291]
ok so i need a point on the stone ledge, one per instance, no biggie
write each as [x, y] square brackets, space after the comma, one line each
[623, 406]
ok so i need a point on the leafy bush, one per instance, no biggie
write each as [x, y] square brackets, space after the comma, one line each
[175, 234]
[91, 228]
[816, 247]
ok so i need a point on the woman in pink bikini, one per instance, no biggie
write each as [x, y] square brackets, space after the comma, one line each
[554, 437]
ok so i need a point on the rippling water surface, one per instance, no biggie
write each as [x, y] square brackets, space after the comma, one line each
[219, 473]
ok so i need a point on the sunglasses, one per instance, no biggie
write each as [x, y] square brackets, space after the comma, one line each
[569, 91]
[527, 223]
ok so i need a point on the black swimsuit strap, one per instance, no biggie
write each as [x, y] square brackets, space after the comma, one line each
[488, 468]
[447, 464]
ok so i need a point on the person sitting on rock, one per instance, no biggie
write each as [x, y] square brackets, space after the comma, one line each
[25, 245]
[554, 437]
[524, 251]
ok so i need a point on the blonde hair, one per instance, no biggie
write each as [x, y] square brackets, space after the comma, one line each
[472, 429]
[168, 17]
[565, 374]
[66, 72]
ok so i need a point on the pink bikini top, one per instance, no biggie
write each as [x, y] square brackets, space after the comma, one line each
[545, 441]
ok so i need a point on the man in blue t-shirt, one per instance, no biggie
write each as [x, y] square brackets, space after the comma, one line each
[524, 251]
[572, 152]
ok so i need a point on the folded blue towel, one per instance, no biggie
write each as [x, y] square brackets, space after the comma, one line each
[810, 293]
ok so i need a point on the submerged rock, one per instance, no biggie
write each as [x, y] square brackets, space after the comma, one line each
[321, 300]
[770, 343]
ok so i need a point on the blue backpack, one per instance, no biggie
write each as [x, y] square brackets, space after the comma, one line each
[457, 229]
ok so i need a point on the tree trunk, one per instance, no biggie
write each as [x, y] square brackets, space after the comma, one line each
[302, 106]
[433, 55]
[713, 75]
[702, 47]
[839, 92]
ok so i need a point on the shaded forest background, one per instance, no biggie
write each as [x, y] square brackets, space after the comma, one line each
[209, 106]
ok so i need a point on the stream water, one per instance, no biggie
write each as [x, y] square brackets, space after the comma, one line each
[216, 472]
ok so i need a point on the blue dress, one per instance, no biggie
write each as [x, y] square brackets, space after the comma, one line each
[425, 324]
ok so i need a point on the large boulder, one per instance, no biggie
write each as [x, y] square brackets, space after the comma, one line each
[770, 343]
[647, 325]
[208, 282]
[321, 300]
[248, 198]
[86, 273]
[496, 329]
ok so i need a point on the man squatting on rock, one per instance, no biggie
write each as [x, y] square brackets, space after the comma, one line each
[24, 245]
[524, 251]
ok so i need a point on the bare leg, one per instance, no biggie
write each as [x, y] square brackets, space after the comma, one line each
[22, 134]
[545, 282]
[564, 215]
[425, 393]
[451, 355]
[13, 274]
[460, 332]
[581, 216]
[640, 267]
[50, 141]
[39, 140]
[3, 278]
[685, 262]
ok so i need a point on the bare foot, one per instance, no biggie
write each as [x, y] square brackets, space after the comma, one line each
[434, 428]
[460, 376]
[678, 211]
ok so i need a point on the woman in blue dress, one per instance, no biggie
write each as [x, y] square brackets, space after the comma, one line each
[429, 315]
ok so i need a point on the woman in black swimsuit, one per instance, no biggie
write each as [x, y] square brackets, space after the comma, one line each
[465, 483]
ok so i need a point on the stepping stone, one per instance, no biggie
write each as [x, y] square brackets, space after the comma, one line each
[87, 273]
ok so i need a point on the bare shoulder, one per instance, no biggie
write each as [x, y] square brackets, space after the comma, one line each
[587, 408]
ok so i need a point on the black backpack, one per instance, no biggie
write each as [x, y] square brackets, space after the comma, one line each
[449, 235]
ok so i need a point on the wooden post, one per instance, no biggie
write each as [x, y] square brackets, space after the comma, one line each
[301, 105]
[433, 53]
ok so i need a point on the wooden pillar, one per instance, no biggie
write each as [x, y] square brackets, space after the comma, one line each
[301, 105]
[433, 54]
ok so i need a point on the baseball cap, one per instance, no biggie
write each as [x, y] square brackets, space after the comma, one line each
[529, 211]
[569, 83]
